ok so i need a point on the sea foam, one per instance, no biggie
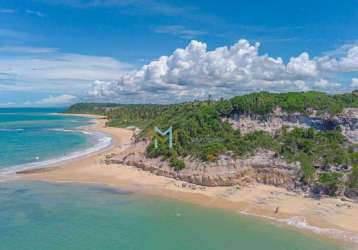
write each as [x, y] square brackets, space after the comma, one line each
[300, 222]
[102, 141]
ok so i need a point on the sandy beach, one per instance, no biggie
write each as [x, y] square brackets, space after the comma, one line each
[334, 217]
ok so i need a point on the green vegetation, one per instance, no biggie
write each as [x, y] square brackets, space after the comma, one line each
[263, 103]
[177, 164]
[330, 182]
[200, 132]
[353, 179]
[312, 148]
[138, 115]
[308, 172]
[260, 103]
[91, 108]
[121, 115]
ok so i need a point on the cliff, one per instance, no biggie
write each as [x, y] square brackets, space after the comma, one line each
[263, 167]
[274, 122]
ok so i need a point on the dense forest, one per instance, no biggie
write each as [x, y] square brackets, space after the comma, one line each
[200, 132]
[121, 115]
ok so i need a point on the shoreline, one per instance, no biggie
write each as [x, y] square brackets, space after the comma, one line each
[103, 142]
[327, 217]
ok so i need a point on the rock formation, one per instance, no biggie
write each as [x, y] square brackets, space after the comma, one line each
[263, 167]
[275, 121]
[348, 121]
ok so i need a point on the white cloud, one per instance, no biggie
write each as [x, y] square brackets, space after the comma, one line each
[34, 12]
[48, 70]
[325, 85]
[321, 83]
[350, 61]
[102, 89]
[24, 49]
[346, 63]
[354, 83]
[141, 6]
[187, 73]
[56, 100]
[303, 66]
[7, 104]
[195, 72]
[180, 31]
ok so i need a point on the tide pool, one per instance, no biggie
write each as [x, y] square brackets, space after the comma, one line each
[36, 215]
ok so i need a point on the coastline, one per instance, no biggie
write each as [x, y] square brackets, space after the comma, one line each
[103, 141]
[328, 216]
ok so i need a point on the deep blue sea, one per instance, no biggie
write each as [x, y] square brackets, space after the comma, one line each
[31, 137]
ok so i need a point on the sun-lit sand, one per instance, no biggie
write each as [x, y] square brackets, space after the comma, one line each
[334, 216]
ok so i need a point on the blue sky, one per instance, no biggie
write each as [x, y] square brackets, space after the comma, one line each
[55, 52]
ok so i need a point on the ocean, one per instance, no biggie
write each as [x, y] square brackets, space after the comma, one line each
[36, 215]
[39, 215]
[33, 137]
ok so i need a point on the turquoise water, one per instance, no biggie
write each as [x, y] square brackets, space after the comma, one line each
[30, 135]
[37, 215]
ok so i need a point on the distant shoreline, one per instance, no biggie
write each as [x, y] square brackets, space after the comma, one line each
[95, 117]
[328, 217]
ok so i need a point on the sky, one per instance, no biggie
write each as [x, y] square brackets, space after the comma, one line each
[58, 52]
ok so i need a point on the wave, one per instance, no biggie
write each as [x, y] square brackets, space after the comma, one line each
[11, 129]
[103, 141]
[72, 130]
[300, 222]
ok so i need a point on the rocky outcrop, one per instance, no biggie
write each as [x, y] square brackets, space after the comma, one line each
[348, 121]
[263, 167]
[136, 130]
[351, 193]
[275, 121]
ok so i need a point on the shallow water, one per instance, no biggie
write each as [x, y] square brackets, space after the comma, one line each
[30, 135]
[37, 215]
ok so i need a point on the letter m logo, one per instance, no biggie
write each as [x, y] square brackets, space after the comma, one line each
[168, 132]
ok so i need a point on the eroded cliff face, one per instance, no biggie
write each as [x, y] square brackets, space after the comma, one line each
[348, 121]
[275, 121]
[263, 167]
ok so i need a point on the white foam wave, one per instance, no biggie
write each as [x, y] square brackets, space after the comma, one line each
[72, 130]
[87, 132]
[61, 130]
[102, 142]
[11, 129]
[300, 222]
